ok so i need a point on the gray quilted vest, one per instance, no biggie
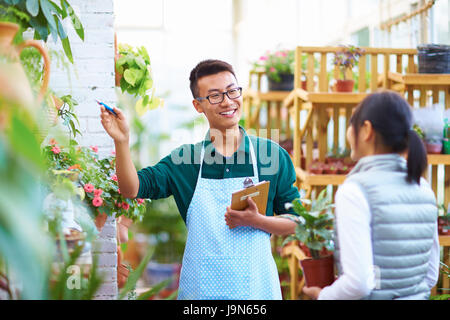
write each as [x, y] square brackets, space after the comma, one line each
[403, 221]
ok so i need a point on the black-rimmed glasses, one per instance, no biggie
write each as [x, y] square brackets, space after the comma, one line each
[218, 97]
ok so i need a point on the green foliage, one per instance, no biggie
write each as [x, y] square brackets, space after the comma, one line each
[314, 226]
[68, 115]
[134, 65]
[45, 17]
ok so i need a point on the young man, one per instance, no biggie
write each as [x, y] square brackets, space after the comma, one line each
[228, 253]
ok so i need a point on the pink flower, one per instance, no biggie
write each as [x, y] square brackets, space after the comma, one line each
[118, 204]
[283, 53]
[118, 190]
[113, 152]
[98, 192]
[125, 206]
[56, 150]
[140, 201]
[114, 177]
[97, 201]
[263, 58]
[279, 54]
[88, 187]
[94, 148]
[272, 69]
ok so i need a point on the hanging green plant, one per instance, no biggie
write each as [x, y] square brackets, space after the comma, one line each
[45, 17]
[134, 70]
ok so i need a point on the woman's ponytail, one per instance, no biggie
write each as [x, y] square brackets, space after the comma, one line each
[417, 157]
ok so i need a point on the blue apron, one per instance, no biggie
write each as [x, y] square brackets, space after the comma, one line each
[224, 263]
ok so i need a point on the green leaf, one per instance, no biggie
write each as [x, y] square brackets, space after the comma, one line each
[288, 239]
[135, 275]
[33, 7]
[315, 245]
[47, 10]
[67, 49]
[301, 233]
[76, 23]
[132, 75]
[155, 290]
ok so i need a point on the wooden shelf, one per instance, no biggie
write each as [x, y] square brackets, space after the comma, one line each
[319, 179]
[434, 79]
[444, 241]
[278, 96]
[435, 159]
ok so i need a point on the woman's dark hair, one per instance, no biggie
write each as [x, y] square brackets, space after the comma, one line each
[391, 118]
[207, 68]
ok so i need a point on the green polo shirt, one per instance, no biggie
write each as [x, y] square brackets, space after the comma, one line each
[177, 173]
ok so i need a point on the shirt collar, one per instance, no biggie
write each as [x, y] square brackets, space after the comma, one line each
[243, 147]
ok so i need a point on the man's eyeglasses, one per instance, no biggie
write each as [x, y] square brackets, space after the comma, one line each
[218, 97]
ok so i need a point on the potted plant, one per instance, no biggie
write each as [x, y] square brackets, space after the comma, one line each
[45, 17]
[279, 68]
[433, 145]
[314, 230]
[346, 59]
[316, 168]
[133, 72]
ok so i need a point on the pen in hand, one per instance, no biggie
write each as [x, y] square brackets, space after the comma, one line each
[108, 108]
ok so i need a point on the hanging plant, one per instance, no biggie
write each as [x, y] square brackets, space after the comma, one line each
[45, 17]
[134, 70]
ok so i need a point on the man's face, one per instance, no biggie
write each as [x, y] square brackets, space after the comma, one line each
[224, 115]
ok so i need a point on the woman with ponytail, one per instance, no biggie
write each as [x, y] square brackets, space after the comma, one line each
[386, 235]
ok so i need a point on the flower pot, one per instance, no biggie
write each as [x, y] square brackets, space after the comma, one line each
[286, 83]
[345, 85]
[433, 147]
[100, 221]
[318, 272]
[434, 58]
[7, 33]
[123, 224]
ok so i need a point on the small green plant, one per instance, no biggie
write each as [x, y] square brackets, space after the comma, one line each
[67, 113]
[314, 226]
[45, 17]
[135, 68]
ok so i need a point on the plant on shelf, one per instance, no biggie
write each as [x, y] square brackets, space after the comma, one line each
[314, 230]
[134, 70]
[345, 60]
[279, 67]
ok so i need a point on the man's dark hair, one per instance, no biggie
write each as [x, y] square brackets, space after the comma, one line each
[207, 68]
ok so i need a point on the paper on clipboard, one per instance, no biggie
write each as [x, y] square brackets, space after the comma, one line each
[258, 192]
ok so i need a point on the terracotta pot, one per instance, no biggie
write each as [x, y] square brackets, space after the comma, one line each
[117, 56]
[100, 221]
[318, 272]
[434, 148]
[122, 270]
[345, 85]
[7, 33]
[123, 224]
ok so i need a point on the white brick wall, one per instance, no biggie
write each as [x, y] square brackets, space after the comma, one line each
[92, 77]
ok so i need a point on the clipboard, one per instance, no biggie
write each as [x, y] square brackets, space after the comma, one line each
[258, 192]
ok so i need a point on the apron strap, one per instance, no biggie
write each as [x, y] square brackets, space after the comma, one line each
[252, 156]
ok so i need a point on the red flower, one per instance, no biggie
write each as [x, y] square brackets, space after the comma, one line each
[97, 201]
[94, 148]
[118, 190]
[88, 187]
[125, 206]
[75, 167]
[114, 177]
[98, 192]
[140, 201]
[119, 205]
[56, 150]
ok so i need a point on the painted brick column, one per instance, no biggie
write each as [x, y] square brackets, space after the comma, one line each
[92, 77]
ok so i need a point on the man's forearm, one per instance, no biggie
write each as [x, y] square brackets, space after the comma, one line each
[275, 225]
[125, 170]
